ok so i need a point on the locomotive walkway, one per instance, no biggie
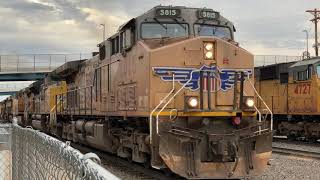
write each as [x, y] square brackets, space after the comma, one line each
[29, 154]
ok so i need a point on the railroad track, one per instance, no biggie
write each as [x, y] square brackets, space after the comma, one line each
[123, 168]
[296, 152]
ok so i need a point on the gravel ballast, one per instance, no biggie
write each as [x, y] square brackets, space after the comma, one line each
[285, 167]
[290, 167]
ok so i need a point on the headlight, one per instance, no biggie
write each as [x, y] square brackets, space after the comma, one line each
[250, 102]
[208, 50]
[192, 102]
[209, 55]
[209, 46]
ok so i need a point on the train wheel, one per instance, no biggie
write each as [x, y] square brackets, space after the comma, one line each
[147, 163]
[313, 140]
[167, 172]
[129, 158]
[291, 137]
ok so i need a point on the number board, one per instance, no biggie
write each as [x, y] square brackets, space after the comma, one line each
[208, 14]
[302, 89]
[169, 12]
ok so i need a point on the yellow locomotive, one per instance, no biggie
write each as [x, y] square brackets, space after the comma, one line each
[170, 88]
[291, 90]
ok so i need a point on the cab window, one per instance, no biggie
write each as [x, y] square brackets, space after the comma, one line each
[164, 30]
[222, 32]
[102, 52]
[115, 45]
[318, 71]
[303, 75]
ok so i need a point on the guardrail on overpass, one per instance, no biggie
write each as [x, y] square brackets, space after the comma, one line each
[48, 62]
[264, 60]
[37, 62]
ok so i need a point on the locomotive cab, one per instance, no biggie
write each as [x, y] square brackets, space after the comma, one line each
[303, 83]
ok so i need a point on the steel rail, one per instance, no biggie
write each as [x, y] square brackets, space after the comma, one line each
[296, 152]
[123, 166]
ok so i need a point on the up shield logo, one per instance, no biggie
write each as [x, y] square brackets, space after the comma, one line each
[223, 78]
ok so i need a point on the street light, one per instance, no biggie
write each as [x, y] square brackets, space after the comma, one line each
[307, 36]
[104, 31]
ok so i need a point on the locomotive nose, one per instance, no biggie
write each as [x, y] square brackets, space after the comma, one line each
[231, 155]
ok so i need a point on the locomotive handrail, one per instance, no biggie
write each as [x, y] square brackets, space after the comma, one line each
[75, 90]
[174, 95]
[183, 86]
[55, 106]
[80, 88]
[53, 115]
[264, 103]
[259, 114]
[161, 102]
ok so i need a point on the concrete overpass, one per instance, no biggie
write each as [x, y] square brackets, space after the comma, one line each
[10, 88]
[17, 68]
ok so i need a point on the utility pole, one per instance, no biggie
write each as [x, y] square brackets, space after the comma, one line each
[104, 31]
[316, 14]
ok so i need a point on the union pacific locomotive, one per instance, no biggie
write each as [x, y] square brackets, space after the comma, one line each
[291, 90]
[171, 88]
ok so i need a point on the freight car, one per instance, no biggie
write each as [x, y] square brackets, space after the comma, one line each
[171, 89]
[292, 91]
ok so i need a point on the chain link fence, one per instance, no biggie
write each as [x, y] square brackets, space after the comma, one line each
[5, 153]
[27, 154]
[264, 60]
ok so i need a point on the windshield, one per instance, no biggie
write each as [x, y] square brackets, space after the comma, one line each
[157, 30]
[211, 30]
[318, 71]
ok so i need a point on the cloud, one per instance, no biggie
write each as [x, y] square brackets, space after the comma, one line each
[62, 26]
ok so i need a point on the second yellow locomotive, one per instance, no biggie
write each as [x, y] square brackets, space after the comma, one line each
[292, 92]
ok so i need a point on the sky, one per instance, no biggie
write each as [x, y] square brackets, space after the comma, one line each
[264, 27]
[73, 26]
